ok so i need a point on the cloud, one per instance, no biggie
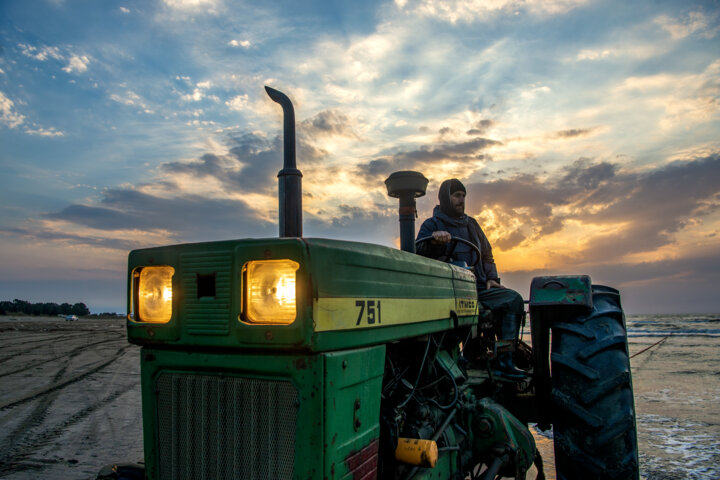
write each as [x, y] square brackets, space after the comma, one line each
[10, 118]
[426, 156]
[106, 241]
[169, 211]
[631, 212]
[667, 285]
[242, 43]
[182, 10]
[468, 11]
[677, 101]
[695, 22]
[196, 96]
[77, 63]
[251, 164]
[199, 92]
[634, 51]
[480, 127]
[573, 132]
[372, 224]
[124, 10]
[131, 98]
[44, 132]
[238, 102]
[328, 123]
[184, 217]
[190, 4]
[8, 115]
[42, 53]
[252, 161]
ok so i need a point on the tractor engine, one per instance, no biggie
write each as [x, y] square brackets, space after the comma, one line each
[433, 404]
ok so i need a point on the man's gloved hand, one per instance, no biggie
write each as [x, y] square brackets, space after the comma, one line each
[441, 236]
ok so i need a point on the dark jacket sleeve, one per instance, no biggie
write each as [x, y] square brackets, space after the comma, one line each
[429, 249]
[488, 262]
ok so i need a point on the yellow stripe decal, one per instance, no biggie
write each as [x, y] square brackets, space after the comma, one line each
[331, 313]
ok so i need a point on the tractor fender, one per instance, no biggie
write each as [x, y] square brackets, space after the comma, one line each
[553, 299]
[573, 290]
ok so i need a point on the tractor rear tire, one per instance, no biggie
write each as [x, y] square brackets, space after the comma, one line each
[594, 425]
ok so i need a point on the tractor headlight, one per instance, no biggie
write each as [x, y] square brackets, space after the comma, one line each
[153, 294]
[269, 295]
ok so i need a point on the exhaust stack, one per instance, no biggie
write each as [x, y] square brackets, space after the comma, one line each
[407, 186]
[289, 178]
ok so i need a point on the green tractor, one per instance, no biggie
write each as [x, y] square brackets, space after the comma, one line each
[309, 358]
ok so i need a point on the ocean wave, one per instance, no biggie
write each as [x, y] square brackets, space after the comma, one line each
[674, 333]
[688, 448]
[673, 319]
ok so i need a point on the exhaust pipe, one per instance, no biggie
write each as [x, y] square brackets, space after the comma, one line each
[407, 186]
[289, 178]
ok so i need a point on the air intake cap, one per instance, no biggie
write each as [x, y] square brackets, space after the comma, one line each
[406, 182]
[407, 186]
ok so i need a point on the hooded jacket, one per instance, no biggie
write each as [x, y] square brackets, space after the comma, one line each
[464, 227]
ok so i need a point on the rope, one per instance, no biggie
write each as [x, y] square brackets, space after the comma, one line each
[651, 346]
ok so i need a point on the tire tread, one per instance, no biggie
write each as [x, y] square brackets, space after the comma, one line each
[594, 411]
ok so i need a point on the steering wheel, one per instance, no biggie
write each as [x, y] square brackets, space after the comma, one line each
[453, 242]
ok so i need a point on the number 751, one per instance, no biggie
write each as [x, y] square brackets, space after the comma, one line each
[373, 311]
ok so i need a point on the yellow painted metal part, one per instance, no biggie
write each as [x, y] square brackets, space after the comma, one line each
[415, 451]
[332, 313]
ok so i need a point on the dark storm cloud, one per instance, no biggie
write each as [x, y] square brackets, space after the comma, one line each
[573, 132]
[253, 162]
[94, 217]
[425, 155]
[669, 285]
[480, 127]
[209, 165]
[652, 205]
[188, 218]
[104, 242]
[656, 204]
[328, 123]
[378, 168]
[586, 175]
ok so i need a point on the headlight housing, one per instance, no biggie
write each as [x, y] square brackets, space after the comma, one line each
[152, 294]
[269, 291]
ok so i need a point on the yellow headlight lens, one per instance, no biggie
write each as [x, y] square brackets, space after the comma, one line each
[270, 291]
[154, 294]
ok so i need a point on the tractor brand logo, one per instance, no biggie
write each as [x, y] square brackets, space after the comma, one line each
[465, 306]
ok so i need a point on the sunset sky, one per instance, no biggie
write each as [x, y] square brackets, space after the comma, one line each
[587, 133]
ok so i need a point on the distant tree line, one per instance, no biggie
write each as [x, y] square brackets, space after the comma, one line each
[48, 309]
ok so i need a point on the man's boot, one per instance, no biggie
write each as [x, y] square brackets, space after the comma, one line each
[509, 329]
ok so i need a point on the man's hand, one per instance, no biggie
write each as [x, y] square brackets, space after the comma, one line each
[441, 236]
[493, 284]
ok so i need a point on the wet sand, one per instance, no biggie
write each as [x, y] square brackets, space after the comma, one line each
[69, 397]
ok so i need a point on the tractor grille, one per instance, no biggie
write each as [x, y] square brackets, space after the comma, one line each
[215, 427]
[209, 315]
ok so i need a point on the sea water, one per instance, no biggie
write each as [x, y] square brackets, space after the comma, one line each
[677, 394]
